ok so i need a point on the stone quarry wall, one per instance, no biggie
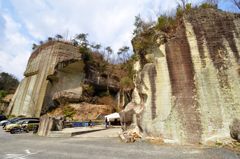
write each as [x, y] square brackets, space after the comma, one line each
[191, 91]
[53, 67]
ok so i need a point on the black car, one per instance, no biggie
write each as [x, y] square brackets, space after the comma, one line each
[2, 117]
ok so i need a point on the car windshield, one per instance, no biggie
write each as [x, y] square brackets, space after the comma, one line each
[14, 119]
[20, 122]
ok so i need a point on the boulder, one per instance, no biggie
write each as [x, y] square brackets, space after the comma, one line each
[70, 95]
[235, 129]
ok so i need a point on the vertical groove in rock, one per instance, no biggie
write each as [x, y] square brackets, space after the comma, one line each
[152, 78]
[183, 87]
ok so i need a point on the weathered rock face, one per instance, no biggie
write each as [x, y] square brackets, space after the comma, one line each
[190, 92]
[53, 67]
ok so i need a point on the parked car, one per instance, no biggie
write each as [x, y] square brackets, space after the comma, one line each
[2, 117]
[14, 120]
[26, 125]
[5, 122]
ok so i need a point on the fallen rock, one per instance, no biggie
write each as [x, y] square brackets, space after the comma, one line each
[130, 136]
[70, 95]
[235, 129]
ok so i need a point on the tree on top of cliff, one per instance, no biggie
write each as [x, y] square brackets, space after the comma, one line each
[182, 3]
[140, 25]
[96, 46]
[34, 46]
[58, 36]
[82, 38]
[213, 3]
[109, 53]
[123, 54]
[41, 42]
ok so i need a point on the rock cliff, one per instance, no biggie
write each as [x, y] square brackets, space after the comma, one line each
[187, 84]
[57, 75]
[53, 67]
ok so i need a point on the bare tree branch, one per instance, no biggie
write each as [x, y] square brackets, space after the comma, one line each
[182, 3]
[237, 3]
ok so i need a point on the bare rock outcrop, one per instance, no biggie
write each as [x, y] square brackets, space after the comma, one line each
[56, 75]
[189, 85]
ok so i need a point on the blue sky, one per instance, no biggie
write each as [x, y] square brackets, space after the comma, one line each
[109, 22]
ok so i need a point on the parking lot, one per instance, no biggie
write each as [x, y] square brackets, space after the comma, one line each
[29, 146]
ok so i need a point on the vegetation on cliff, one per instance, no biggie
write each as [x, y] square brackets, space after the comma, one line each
[8, 84]
[149, 35]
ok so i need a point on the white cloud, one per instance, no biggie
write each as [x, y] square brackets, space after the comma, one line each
[14, 50]
[109, 22]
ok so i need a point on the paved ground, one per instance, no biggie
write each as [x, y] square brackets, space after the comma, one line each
[78, 131]
[106, 133]
[28, 146]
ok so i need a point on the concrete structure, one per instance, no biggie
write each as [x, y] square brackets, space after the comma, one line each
[53, 67]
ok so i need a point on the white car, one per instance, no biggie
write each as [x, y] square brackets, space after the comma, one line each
[3, 122]
[12, 125]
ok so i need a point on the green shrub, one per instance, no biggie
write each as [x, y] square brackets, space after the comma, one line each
[165, 23]
[104, 93]
[188, 7]
[2, 94]
[86, 55]
[162, 23]
[8, 82]
[88, 89]
[126, 83]
[207, 5]
[179, 12]
[69, 111]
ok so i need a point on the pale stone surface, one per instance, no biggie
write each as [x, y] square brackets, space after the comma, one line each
[190, 93]
[45, 125]
[70, 95]
[49, 124]
[53, 67]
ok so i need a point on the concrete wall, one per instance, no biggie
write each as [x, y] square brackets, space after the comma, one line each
[42, 67]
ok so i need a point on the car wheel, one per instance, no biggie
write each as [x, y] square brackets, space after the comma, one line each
[12, 131]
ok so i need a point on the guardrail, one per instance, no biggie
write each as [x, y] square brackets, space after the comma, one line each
[79, 124]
